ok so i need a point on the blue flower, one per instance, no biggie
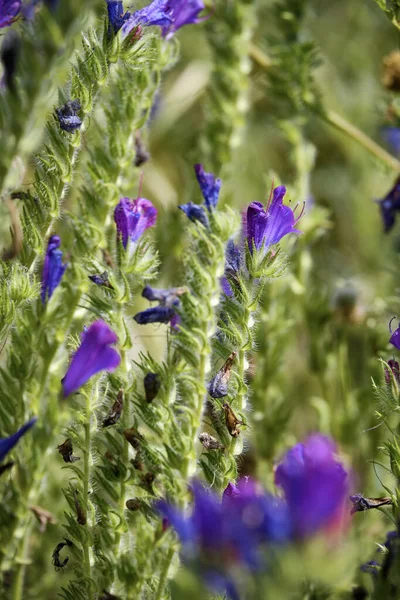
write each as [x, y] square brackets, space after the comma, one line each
[315, 485]
[170, 15]
[93, 355]
[389, 206]
[266, 227]
[7, 444]
[9, 10]
[391, 135]
[67, 117]
[210, 186]
[157, 314]
[53, 268]
[116, 15]
[166, 311]
[195, 212]
[133, 217]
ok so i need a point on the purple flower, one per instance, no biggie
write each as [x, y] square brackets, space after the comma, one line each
[53, 268]
[116, 16]
[389, 206]
[315, 484]
[93, 355]
[233, 264]
[166, 311]
[9, 10]
[210, 186]
[195, 212]
[269, 226]
[395, 337]
[7, 444]
[133, 217]
[67, 117]
[157, 314]
[170, 15]
[391, 135]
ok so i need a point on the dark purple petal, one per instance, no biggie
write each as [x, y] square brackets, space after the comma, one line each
[195, 212]
[314, 482]
[157, 314]
[389, 206]
[395, 369]
[7, 444]
[395, 338]
[209, 185]
[9, 9]
[133, 217]
[93, 355]
[116, 16]
[53, 268]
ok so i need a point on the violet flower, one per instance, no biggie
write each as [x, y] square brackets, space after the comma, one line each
[395, 337]
[133, 217]
[195, 212]
[165, 312]
[266, 227]
[53, 268]
[315, 484]
[116, 15]
[210, 187]
[9, 10]
[157, 314]
[67, 116]
[170, 15]
[389, 206]
[93, 355]
[7, 444]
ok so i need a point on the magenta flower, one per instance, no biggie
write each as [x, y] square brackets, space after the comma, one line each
[9, 10]
[170, 15]
[266, 227]
[315, 484]
[7, 444]
[93, 355]
[133, 217]
[53, 268]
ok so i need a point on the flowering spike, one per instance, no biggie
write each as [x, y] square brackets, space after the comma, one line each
[314, 482]
[53, 268]
[133, 217]
[7, 444]
[210, 186]
[9, 10]
[116, 16]
[267, 227]
[195, 212]
[93, 355]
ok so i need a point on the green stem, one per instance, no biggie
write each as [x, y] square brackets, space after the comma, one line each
[164, 574]
[22, 560]
[86, 478]
[337, 121]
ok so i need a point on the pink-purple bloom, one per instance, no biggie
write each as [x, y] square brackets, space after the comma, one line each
[170, 15]
[9, 10]
[53, 268]
[7, 444]
[315, 484]
[95, 354]
[133, 217]
[266, 227]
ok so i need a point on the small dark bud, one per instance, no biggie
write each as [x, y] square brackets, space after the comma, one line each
[66, 451]
[133, 437]
[101, 279]
[133, 504]
[107, 596]
[391, 71]
[361, 504]
[57, 563]
[115, 413]
[142, 155]
[137, 463]
[218, 386]
[43, 516]
[6, 467]
[67, 117]
[209, 442]
[80, 513]
[395, 369]
[10, 51]
[152, 384]
[107, 258]
[147, 482]
[231, 421]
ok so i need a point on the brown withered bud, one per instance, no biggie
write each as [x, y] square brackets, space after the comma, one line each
[66, 450]
[133, 504]
[107, 258]
[133, 437]
[101, 279]
[142, 155]
[147, 482]
[80, 513]
[57, 563]
[209, 442]
[107, 596]
[360, 503]
[218, 386]
[137, 463]
[152, 384]
[391, 71]
[231, 421]
[116, 410]
[6, 467]
[43, 516]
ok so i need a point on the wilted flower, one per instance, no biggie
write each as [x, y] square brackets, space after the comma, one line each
[9, 10]
[315, 484]
[67, 117]
[53, 268]
[93, 355]
[361, 503]
[133, 217]
[7, 444]
[170, 15]
[166, 311]
[195, 212]
[210, 186]
[116, 15]
[389, 206]
[152, 385]
[266, 227]
[101, 279]
[395, 369]
[218, 386]
[233, 263]
[157, 314]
